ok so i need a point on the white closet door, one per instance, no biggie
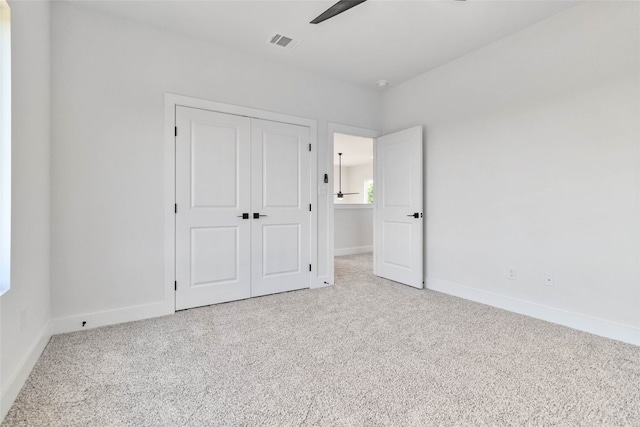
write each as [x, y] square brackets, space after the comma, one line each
[398, 197]
[280, 196]
[212, 192]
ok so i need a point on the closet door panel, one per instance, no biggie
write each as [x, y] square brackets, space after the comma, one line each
[213, 169]
[280, 196]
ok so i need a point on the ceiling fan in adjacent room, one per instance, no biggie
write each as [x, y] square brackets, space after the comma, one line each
[336, 9]
[340, 194]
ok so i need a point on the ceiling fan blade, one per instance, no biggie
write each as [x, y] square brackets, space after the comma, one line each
[336, 9]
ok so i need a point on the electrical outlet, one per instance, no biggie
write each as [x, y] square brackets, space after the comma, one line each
[548, 279]
[511, 273]
[23, 320]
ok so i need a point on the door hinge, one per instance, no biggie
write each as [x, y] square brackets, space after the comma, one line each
[309, 207]
[175, 207]
[309, 267]
[176, 131]
[175, 285]
[309, 147]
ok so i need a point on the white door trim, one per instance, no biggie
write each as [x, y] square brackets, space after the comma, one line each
[349, 130]
[171, 101]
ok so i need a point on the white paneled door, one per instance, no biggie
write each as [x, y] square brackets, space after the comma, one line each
[399, 218]
[242, 195]
[280, 207]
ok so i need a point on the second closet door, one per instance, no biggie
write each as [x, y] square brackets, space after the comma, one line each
[280, 202]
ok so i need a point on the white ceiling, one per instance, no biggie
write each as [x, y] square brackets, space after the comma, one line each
[393, 40]
[355, 150]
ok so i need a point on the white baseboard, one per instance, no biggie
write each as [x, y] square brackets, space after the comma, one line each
[19, 376]
[109, 317]
[320, 282]
[603, 328]
[352, 251]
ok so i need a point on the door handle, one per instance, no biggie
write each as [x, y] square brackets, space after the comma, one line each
[257, 215]
[415, 215]
[244, 216]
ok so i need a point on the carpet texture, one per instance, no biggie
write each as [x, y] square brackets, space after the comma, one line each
[364, 352]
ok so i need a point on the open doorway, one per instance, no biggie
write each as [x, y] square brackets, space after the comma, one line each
[397, 208]
[353, 193]
[352, 155]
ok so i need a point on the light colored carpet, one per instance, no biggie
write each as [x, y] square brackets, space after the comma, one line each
[364, 352]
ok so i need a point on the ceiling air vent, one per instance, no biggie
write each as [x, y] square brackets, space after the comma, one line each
[283, 41]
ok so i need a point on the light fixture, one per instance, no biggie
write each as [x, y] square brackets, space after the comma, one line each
[340, 194]
[382, 84]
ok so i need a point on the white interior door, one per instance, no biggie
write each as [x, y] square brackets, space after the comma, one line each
[399, 219]
[280, 197]
[213, 187]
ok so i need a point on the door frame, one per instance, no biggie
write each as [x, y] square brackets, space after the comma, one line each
[349, 130]
[171, 101]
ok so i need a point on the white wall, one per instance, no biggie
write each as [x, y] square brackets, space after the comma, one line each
[532, 150]
[353, 229]
[109, 76]
[358, 174]
[353, 224]
[353, 178]
[29, 291]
